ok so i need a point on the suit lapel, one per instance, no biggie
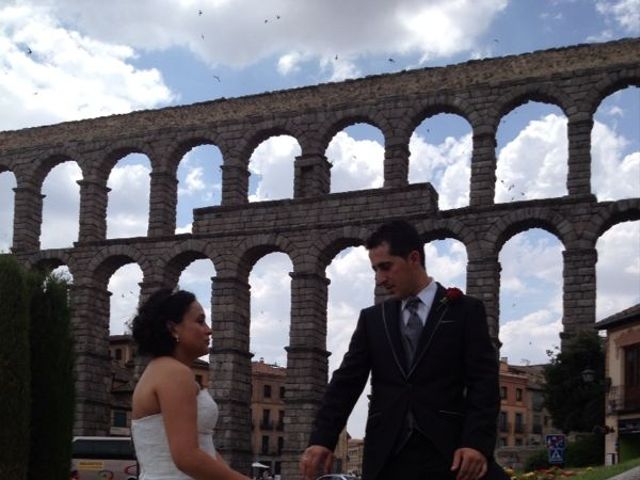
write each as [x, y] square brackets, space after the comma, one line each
[437, 312]
[391, 320]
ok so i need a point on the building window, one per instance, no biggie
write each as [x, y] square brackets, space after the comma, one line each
[518, 394]
[281, 392]
[280, 426]
[266, 391]
[503, 441]
[503, 393]
[266, 420]
[503, 424]
[265, 445]
[280, 445]
[120, 418]
[118, 354]
[518, 442]
[546, 421]
[519, 424]
[632, 377]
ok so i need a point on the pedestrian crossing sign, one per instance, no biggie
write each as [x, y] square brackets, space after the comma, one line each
[556, 455]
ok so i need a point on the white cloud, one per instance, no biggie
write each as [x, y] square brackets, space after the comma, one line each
[270, 308]
[61, 206]
[613, 175]
[273, 161]
[125, 292]
[446, 166]
[357, 164]
[618, 269]
[52, 74]
[542, 329]
[289, 63]
[534, 164]
[128, 207]
[625, 13]
[241, 33]
[193, 182]
[446, 262]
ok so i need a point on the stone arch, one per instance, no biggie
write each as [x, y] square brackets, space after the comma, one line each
[606, 87]
[52, 259]
[182, 255]
[438, 105]
[340, 122]
[120, 150]
[522, 220]
[514, 98]
[44, 167]
[183, 146]
[259, 246]
[111, 258]
[256, 138]
[324, 250]
[618, 212]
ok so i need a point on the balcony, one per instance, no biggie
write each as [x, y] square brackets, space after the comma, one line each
[504, 427]
[266, 425]
[622, 399]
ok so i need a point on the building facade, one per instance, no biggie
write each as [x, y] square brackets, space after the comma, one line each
[622, 376]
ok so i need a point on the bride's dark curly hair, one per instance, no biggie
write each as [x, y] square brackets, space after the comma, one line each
[150, 327]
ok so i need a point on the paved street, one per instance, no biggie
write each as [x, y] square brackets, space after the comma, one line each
[633, 474]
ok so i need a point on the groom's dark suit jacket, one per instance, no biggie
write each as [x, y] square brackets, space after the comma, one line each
[451, 387]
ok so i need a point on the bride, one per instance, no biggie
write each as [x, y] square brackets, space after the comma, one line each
[173, 418]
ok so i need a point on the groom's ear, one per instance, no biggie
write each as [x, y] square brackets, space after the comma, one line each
[414, 257]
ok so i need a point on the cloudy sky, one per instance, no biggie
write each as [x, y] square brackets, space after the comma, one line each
[72, 59]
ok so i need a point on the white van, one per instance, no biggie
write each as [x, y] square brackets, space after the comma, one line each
[103, 458]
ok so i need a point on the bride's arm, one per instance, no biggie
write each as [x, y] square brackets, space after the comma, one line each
[177, 397]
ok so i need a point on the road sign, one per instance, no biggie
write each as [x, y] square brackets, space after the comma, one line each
[556, 445]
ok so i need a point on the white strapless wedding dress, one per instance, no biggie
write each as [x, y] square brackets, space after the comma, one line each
[152, 447]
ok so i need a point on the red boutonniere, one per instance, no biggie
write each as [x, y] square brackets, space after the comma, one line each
[451, 295]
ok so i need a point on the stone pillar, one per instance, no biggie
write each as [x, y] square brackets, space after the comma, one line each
[312, 176]
[579, 292]
[396, 165]
[579, 169]
[162, 204]
[483, 169]
[93, 210]
[92, 369]
[27, 219]
[235, 182]
[307, 365]
[483, 282]
[230, 370]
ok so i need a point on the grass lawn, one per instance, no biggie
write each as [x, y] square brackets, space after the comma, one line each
[591, 473]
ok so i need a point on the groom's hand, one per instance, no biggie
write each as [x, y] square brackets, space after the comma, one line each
[314, 458]
[470, 464]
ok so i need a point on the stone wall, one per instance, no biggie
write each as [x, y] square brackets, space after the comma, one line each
[315, 225]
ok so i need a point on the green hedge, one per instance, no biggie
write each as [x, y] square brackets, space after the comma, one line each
[14, 371]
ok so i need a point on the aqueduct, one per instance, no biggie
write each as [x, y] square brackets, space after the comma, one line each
[315, 225]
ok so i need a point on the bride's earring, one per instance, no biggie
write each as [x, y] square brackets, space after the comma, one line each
[177, 338]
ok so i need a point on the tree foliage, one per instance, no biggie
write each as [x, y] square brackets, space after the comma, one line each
[14, 370]
[51, 372]
[576, 405]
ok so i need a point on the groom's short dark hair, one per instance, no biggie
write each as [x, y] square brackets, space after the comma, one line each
[401, 236]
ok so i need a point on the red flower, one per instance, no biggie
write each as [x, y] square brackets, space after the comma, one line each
[451, 295]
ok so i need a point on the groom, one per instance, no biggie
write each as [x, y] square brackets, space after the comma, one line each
[434, 376]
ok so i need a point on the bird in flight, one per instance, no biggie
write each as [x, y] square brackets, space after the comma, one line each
[217, 77]
[391, 60]
[199, 12]
[29, 51]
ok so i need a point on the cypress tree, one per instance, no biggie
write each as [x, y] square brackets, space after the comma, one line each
[14, 371]
[51, 380]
